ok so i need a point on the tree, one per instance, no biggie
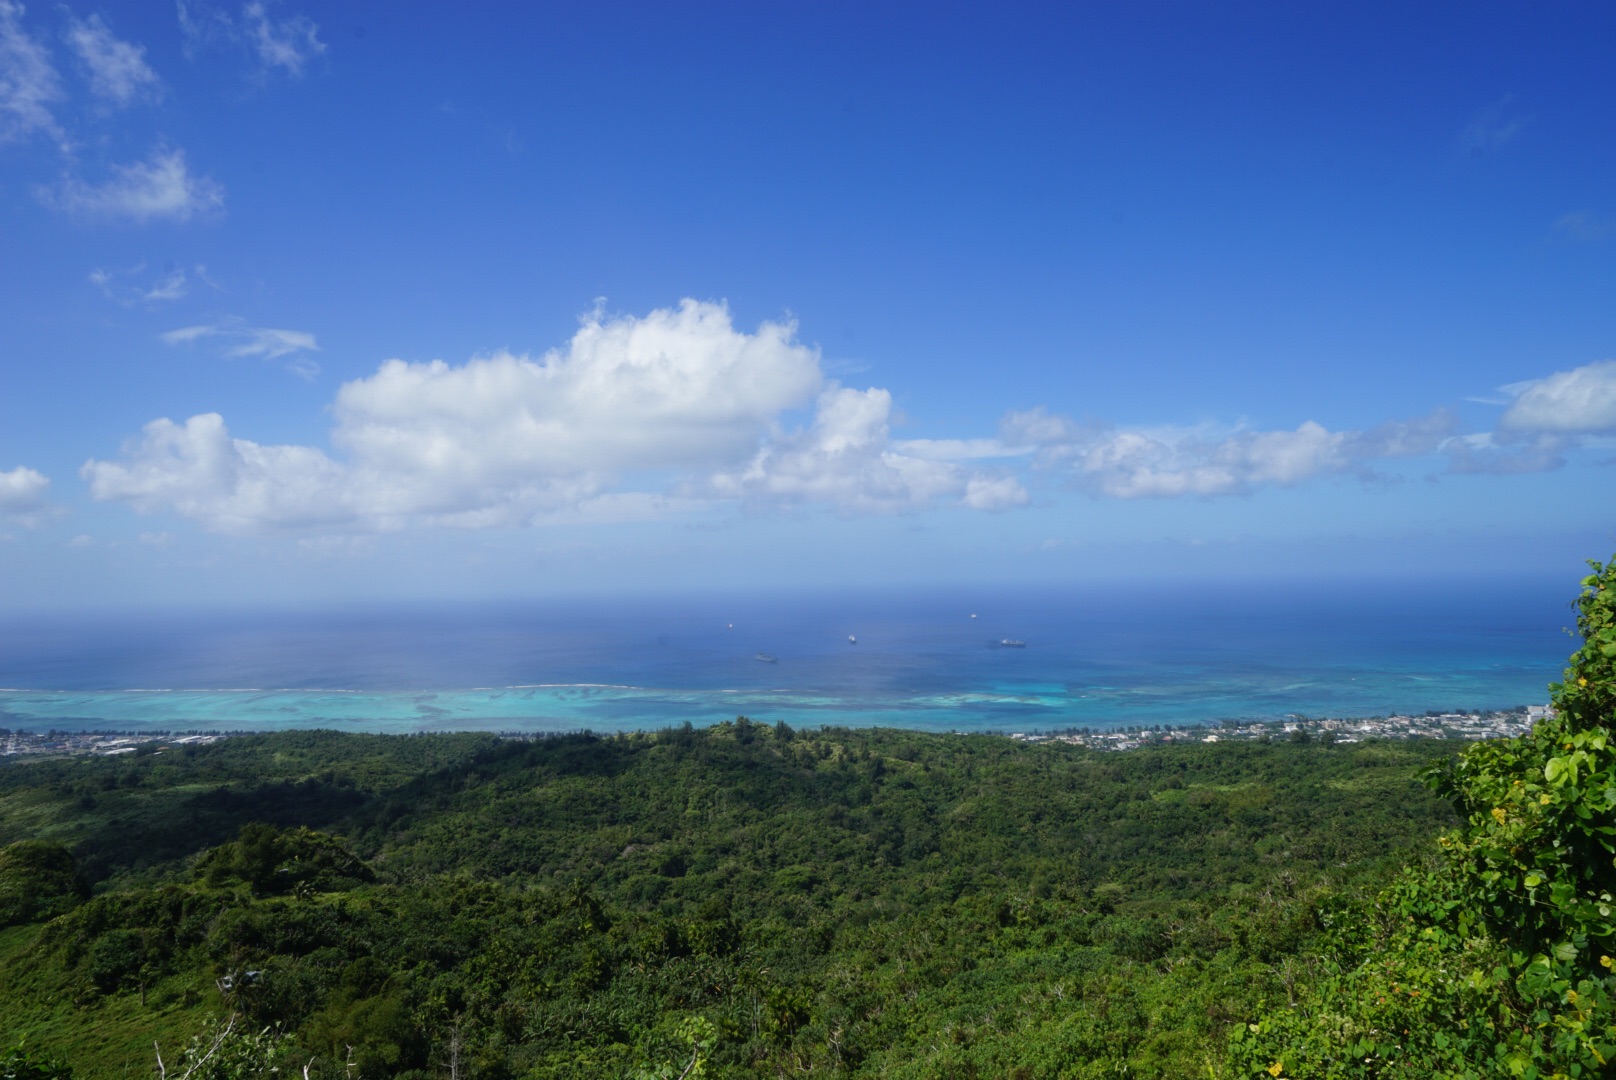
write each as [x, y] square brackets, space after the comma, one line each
[38, 880]
[1499, 960]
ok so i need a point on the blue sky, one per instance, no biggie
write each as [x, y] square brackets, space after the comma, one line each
[377, 300]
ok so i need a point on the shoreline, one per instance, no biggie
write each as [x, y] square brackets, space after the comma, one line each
[1466, 726]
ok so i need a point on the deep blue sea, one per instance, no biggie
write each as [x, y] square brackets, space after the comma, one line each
[1092, 657]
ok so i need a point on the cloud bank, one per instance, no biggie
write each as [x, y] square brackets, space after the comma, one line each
[677, 411]
[1168, 462]
[678, 408]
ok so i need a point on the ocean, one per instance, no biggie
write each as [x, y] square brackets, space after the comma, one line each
[1099, 657]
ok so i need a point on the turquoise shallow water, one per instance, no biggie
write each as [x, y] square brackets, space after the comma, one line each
[1092, 658]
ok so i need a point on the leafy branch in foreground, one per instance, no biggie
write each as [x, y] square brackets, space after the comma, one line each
[19, 1063]
[1497, 960]
[227, 1051]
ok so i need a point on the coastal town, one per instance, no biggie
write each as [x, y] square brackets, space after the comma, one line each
[96, 743]
[1471, 726]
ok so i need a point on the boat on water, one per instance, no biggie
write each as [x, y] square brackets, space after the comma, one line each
[1012, 643]
[765, 658]
[851, 640]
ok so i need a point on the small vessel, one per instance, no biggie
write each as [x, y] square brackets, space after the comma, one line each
[1012, 643]
[731, 626]
[851, 640]
[973, 614]
[765, 658]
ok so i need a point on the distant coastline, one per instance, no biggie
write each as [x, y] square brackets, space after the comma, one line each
[1468, 726]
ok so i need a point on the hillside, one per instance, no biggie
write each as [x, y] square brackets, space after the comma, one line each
[880, 902]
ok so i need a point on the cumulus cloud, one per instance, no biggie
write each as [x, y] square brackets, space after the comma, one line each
[28, 80]
[198, 470]
[288, 44]
[23, 497]
[118, 70]
[161, 187]
[847, 458]
[1581, 401]
[1167, 462]
[636, 416]
[678, 388]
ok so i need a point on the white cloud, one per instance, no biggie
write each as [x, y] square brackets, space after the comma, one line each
[28, 81]
[847, 458]
[269, 344]
[635, 417]
[288, 44]
[202, 24]
[23, 497]
[957, 449]
[171, 286]
[198, 471]
[116, 286]
[640, 418]
[994, 493]
[1171, 462]
[249, 342]
[118, 70]
[243, 342]
[1581, 401]
[1133, 464]
[1485, 453]
[677, 388]
[160, 187]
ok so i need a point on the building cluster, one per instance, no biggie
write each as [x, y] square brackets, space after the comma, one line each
[97, 743]
[1433, 725]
